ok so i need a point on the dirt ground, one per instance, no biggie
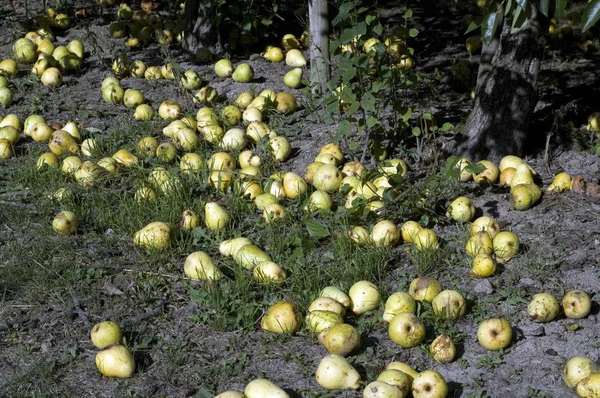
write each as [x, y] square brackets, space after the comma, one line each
[44, 345]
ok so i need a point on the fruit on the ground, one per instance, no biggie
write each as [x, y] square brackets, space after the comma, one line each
[461, 209]
[578, 368]
[293, 78]
[337, 294]
[317, 321]
[464, 175]
[409, 231]
[191, 80]
[397, 303]
[442, 349]
[224, 68]
[506, 246]
[318, 200]
[111, 94]
[47, 159]
[169, 109]
[10, 133]
[561, 182]
[294, 185]
[336, 373]
[594, 122]
[273, 54]
[156, 235]
[385, 233]
[397, 379]
[243, 73]
[359, 235]
[143, 112]
[494, 334]
[408, 370]
[449, 304]
[479, 243]
[248, 256]
[523, 175]
[269, 272]
[365, 297]
[70, 164]
[340, 339]
[543, 307]
[65, 223]
[106, 333]
[125, 158]
[289, 41]
[215, 216]
[132, 98]
[489, 175]
[229, 248]
[280, 148]
[424, 288]
[426, 239]
[429, 384]
[6, 96]
[115, 361]
[524, 196]
[509, 161]
[483, 266]
[506, 176]
[24, 51]
[274, 212]
[406, 330]
[231, 115]
[576, 304]
[200, 266]
[88, 174]
[109, 164]
[282, 317]
[589, 387]
[262, 388]
[286, 102]
[295, 58]
[380, 389]
[487, 224]
[326, 304]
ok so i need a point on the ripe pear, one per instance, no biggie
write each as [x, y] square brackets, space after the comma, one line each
[396, 378]
[293, 79]
[262, 388]
[483, 266]
[340, 339]
[337, 294]
[273, 54]
[248, 256]
[365, 296]
[319, 320]
[156, 235]
[269, 272]
[442, 349]
[65, 223]
[282, 317]
[543, 307]
[229, 247]
[294, 185]
[115, 361]
[489, 175]
[327, 178]
[524, 196]
[189, 220]
[47, 159]
[578, 368]
[125, 158]
[295, 59]
[461, 209]
[106, 333]
[479, 243]
[589, 387]
[274, 212]
[397, 303]
[336, 373]
[506, 246]
[424, 288]
[286, 102]
[200, 266]
[506, 176]
[88, 174]
[380, 389]
[409, 230]
[385, 233]
[523, 175]
[243, 73]
[562, 182]
[62, 143]
[280, 148]
[487, 224]
[215, 216]
[318, 200]
[509, 161]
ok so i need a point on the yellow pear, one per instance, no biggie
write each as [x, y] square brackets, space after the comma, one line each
[294, 185]
[200, 266]
[524, 196]
[62, 143]
[248, 256]
[156, 235]
[282, 317]
[215, 216]
[562, 182]
[522, 175]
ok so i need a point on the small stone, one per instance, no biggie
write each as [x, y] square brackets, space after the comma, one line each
[484, 287]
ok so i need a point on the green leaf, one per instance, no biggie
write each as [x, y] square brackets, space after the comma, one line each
[316, 229]
[472, 26]
[426, 116]
[475, 168]
[447, 127]
[416, 131]
[413, 32]
[406, 114]
[408, 13]
[349, 74]
[372, 121]
[347, 35]
[370, 18]
[489, 25]
[344, 127]
[519, 20]
[508, 8]
[561, 6]
[523, 3]
[378, 29]
[352, 108]
[368, 102]
[590, 15]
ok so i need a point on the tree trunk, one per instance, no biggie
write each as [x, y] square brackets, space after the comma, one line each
[200, 30]
[319, 43]
[506, 96]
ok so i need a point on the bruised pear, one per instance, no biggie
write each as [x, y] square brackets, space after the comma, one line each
[62, 143]
[189, 220]
[561, 182]
[461, 209]
[337, 294]
[380, 389]
[365, 297]
[479, 243]
[88, 174]
[65, 223]
[156, 235]
[319, 320]
[282, 317]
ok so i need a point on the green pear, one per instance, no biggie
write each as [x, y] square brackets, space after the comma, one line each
[62, 143]
[156, 235]
[243, 73]
[293, 79]
[250, 255]
[231, 246]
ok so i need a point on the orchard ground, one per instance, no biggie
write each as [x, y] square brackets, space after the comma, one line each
[191, 339]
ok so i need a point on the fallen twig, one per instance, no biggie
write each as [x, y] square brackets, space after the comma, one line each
[144, 315]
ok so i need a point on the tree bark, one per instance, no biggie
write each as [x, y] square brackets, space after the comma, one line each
[319, 43]
[200, 30]
[506, 97]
